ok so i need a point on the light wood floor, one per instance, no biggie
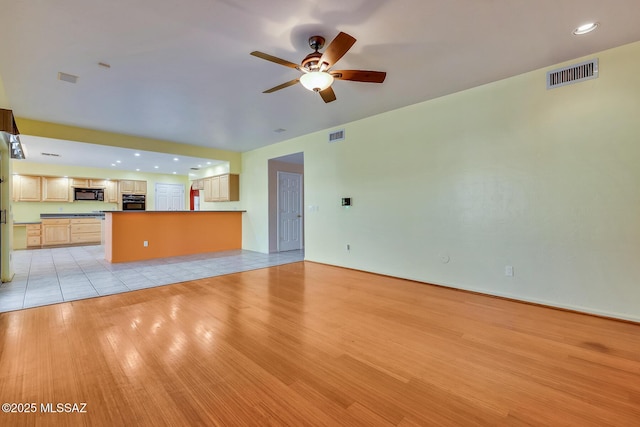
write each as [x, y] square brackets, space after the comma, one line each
[309, 344]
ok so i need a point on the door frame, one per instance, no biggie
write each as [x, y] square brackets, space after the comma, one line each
[293, 162]
[300, 208]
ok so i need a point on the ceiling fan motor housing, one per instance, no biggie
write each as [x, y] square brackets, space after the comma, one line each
[311, 62]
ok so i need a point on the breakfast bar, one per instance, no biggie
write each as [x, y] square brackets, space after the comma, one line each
[142, 235]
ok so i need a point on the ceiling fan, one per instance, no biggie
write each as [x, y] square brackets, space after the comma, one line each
[316, 68]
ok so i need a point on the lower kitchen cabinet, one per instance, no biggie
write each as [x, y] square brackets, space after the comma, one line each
[86, 230]
[56, 231]
[34, 235]
[71, 231]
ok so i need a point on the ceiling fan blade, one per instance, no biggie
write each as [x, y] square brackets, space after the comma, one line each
[359, 75]
[328, 94]
[282, 86]
[336, 50]
[275, 59]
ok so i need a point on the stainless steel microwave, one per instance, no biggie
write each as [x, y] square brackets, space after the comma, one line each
[90, 194]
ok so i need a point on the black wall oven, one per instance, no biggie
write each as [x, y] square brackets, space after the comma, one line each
[133, 202]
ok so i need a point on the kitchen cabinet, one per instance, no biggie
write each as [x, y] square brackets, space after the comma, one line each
[33, 235]
[55, 189]
[85, 230]
[222, 188]
[27, 188]
[56, 231]
[207, 190]
[198, 184]
[133, 187]
[88, 183]
[111, 192]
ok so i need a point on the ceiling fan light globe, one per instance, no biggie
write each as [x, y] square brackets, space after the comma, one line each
[316, 80]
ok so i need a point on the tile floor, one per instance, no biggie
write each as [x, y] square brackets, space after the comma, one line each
[49, 276]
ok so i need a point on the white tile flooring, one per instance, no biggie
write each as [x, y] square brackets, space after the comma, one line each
[49, 276]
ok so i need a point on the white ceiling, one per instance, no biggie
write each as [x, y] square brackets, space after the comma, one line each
[181, 70]
[60, 152]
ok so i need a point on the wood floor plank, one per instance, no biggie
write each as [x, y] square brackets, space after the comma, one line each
[311, 344]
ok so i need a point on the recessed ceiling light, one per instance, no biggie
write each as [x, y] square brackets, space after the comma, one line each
[137, 170]
[113, 164]
[118, 161]
[208, 163]
[586, 28]
[174, 173]
[199, 166]
[136, 154]
[175, 159]
[155, 167]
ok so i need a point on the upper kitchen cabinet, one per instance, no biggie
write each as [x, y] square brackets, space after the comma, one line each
[88, 183]
[56, 189]
[133, 187]
[198, 184]
[27, 188]
[222, 188]
[111, 192]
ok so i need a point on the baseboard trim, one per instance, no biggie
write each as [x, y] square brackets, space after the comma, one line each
[538, 303]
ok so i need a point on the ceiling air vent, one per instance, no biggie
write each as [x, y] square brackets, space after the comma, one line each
[336, 136]
[69, 78]
[572, 74]
[50, 154]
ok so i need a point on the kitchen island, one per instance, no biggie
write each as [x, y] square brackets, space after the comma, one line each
[142, 235]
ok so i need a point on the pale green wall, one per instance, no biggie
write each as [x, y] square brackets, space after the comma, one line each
[503, 174]
[30, 211]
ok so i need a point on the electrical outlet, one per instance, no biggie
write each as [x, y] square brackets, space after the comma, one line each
[508, 270]
[145, 243]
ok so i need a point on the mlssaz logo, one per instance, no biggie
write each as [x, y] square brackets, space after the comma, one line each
[64, 407]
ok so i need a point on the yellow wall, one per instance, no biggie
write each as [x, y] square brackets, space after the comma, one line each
[30, 211]
[452, 190]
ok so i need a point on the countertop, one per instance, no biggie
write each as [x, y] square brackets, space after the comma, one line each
[72, 215]
[180, 212]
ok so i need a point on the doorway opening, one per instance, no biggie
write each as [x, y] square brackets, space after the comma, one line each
[286, 203]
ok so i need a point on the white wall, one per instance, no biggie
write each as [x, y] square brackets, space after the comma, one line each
[503, 174]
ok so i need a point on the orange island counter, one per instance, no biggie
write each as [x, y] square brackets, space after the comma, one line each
[141, 235]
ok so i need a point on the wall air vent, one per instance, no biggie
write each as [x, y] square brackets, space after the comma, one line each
[50, 154]
[336, 136]
[572, 74]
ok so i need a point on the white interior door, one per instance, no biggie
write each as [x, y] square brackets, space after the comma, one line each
[289, 211]
[169, 197]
